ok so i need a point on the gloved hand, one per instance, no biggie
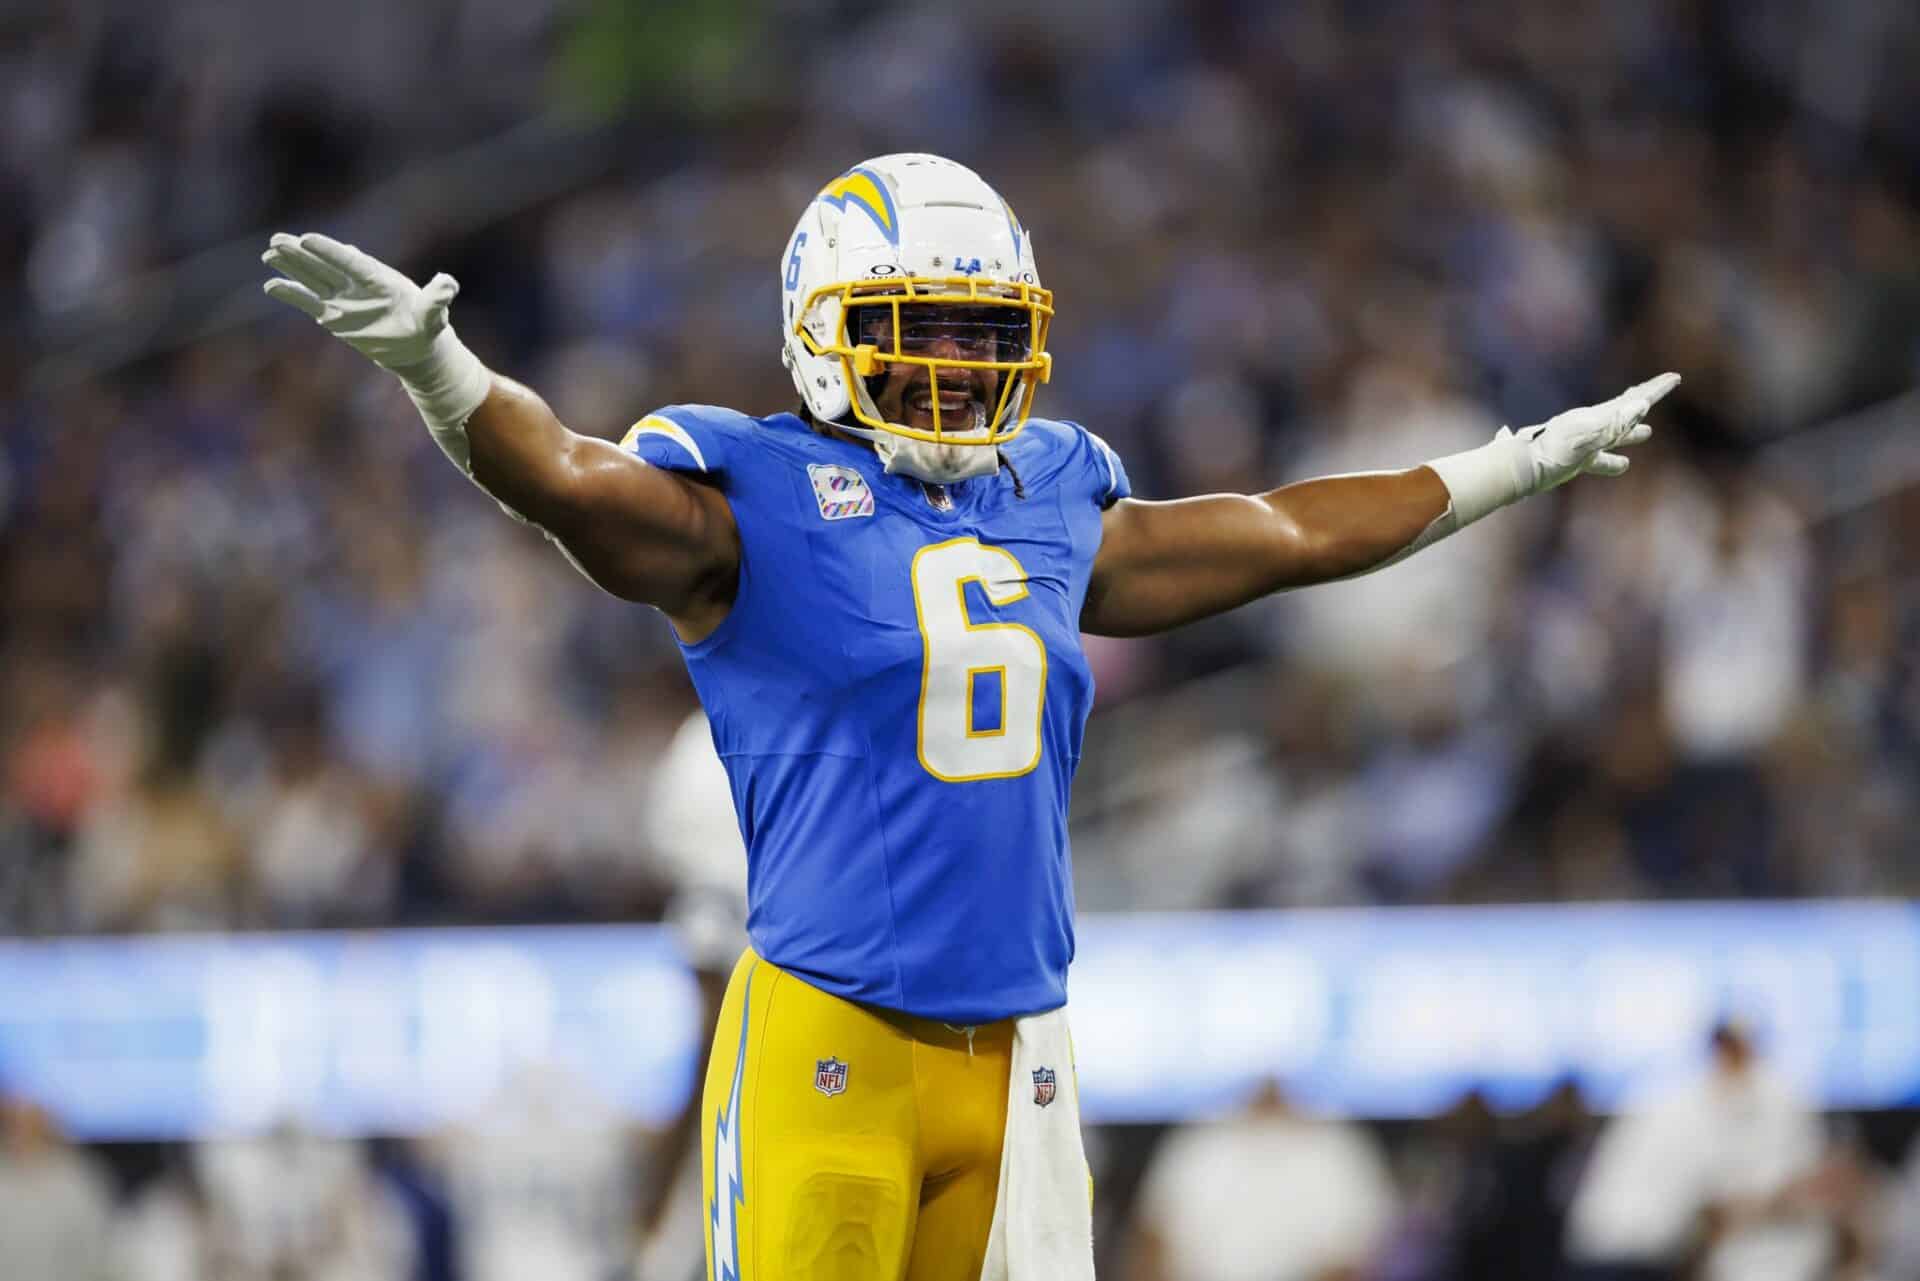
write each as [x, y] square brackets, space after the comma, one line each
[1533, 460]
[391, 321]
[1582, 441]
[359, 299]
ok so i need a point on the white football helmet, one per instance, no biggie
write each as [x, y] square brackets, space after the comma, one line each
[913, 260]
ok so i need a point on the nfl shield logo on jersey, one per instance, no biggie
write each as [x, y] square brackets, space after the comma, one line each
[842, 491]
[1043, 1085]
[830, 1076]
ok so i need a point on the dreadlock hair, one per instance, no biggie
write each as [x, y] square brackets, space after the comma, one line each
[1019, 490]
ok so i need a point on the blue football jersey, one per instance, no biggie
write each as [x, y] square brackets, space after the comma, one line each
[899, 696]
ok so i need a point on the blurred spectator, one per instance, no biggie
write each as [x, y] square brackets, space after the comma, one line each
[162, 858]
[55, 1202]
[1485, 1195]
[1734, 609]
[292, 1206]
[692, 823]
[1270, 1195]
[319, 856]
[692, 826]
[1436, 611]
[160, 853]
[541, 1184]
[163, 1232]
[1733, 1167]
[1897, 1225]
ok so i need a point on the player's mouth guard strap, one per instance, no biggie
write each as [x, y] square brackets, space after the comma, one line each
[446, 388]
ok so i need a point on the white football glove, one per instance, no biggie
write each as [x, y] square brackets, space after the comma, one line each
[391, 321]
[1533, 460]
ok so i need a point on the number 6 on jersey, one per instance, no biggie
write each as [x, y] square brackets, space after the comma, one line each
[962, 663]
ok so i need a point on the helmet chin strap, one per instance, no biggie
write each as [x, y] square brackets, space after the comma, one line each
[937, 464]
[924, 460]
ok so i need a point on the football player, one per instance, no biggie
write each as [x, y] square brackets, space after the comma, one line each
[880, 599]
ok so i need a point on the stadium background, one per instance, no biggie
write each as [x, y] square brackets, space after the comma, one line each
[267, 664]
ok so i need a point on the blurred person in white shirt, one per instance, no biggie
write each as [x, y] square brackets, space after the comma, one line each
[1416, 646]
[1735, 619]
[1730, 1169]
[163, 1232]
[541, 1185]
[1269, 1195]
[318, 856]
[693, 829]
[1434, 619]
[290, 1205]
[55, 1206]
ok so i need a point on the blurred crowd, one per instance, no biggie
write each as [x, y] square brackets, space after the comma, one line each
[1728, 1177]
[267, 662]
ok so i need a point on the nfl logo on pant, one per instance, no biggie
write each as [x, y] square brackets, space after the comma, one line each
[830, 1076]
[1043, 1086]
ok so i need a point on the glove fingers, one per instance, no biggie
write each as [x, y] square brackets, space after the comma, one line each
[285, 246]
[1646, 395]
[344, 258]
[1605, 464]
[291, 260]
[1641, 433]
[294, 294]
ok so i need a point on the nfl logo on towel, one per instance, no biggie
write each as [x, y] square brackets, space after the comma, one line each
[1043, 1080]
[842, 491]
[830, 1077]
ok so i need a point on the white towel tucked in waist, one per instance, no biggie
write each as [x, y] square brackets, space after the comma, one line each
[1043, 1218]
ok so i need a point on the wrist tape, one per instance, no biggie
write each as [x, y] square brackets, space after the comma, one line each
[446, 388]
[1482, 481]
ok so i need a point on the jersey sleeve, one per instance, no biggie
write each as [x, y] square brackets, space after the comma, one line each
[698, 440]
[1105, 474]
[1065, 455]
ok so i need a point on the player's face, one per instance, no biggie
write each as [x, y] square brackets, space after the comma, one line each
[967, 397]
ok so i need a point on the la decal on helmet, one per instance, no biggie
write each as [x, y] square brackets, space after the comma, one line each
[911, 262]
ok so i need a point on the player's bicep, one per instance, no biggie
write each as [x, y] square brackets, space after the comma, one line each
[648, 534]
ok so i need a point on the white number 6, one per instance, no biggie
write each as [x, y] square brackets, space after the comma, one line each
[957, 652]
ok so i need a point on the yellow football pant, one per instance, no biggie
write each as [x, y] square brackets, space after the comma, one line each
[884, 1171]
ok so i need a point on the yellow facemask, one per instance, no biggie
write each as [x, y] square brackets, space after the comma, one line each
[905, 305]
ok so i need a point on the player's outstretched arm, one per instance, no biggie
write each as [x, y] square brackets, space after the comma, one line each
[640, 533]
[1164, 564]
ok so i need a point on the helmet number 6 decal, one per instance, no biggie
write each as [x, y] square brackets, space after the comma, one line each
[982, 685]
[793, 262]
